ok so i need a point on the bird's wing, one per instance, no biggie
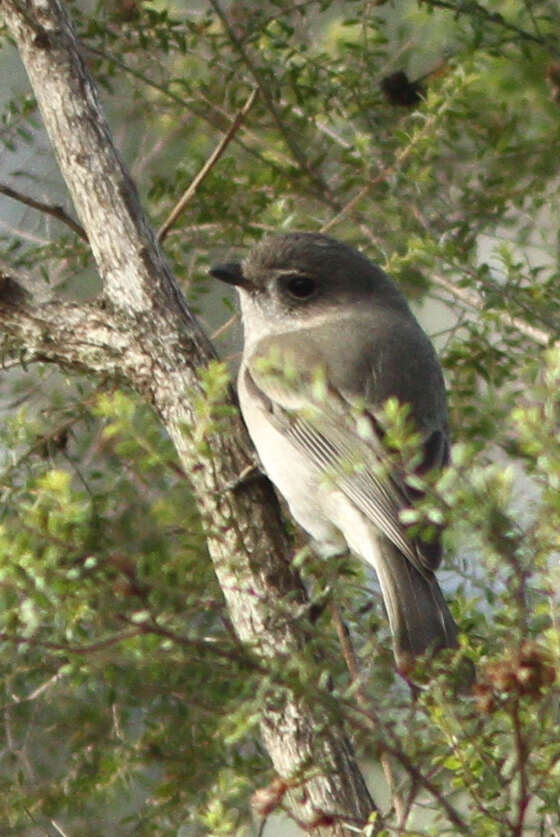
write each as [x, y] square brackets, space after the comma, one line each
[345, 445]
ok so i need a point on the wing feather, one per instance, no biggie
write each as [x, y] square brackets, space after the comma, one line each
[326, 434]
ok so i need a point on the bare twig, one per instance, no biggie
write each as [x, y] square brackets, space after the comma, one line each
[359, 196]
[249, 134]
[453, 815]
[56, 211]
[208, 166]
[59, 829]
[225, 326]
[58, 675]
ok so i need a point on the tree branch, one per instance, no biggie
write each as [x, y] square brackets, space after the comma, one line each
[56, 211]
[83, 337]
[162, 349]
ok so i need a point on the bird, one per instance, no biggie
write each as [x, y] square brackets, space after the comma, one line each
[328, 339]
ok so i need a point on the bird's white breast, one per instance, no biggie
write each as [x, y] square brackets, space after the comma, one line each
[295, 477]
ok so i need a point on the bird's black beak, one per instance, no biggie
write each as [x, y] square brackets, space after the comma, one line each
[231, 272]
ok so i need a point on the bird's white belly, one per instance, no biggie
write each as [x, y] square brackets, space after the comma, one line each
[331, 519]
[297, 479]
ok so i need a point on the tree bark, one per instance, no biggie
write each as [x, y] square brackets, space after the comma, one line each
[143, 334]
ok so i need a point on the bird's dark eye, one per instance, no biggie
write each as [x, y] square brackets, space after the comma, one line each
[300, 286]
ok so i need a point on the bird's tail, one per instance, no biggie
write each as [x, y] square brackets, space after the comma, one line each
[419, 618]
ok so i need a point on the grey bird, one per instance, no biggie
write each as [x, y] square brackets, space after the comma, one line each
[328, 338]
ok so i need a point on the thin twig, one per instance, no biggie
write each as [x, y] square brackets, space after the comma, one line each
[354, 670]
[475, 9]
[224, 327]
[202, 645]
[188, 104]
[208, 166]
[34, 694]
[475, 301]
[366, 719]
[145, 157]
[288, 136]
[453, 815]
[101, 645]
[471, 298]
[524, 795]
[58, 828]
[56, 211]
[324, 128]
[383, 175]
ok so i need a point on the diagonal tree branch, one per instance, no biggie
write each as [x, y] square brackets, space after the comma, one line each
[147, 336]
[74, 336]
[189, 193]
[56, 211]
[478, 11]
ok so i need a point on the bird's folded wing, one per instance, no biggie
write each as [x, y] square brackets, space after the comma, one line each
[320, 423]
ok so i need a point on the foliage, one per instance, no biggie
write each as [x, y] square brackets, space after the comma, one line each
[128, 706]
